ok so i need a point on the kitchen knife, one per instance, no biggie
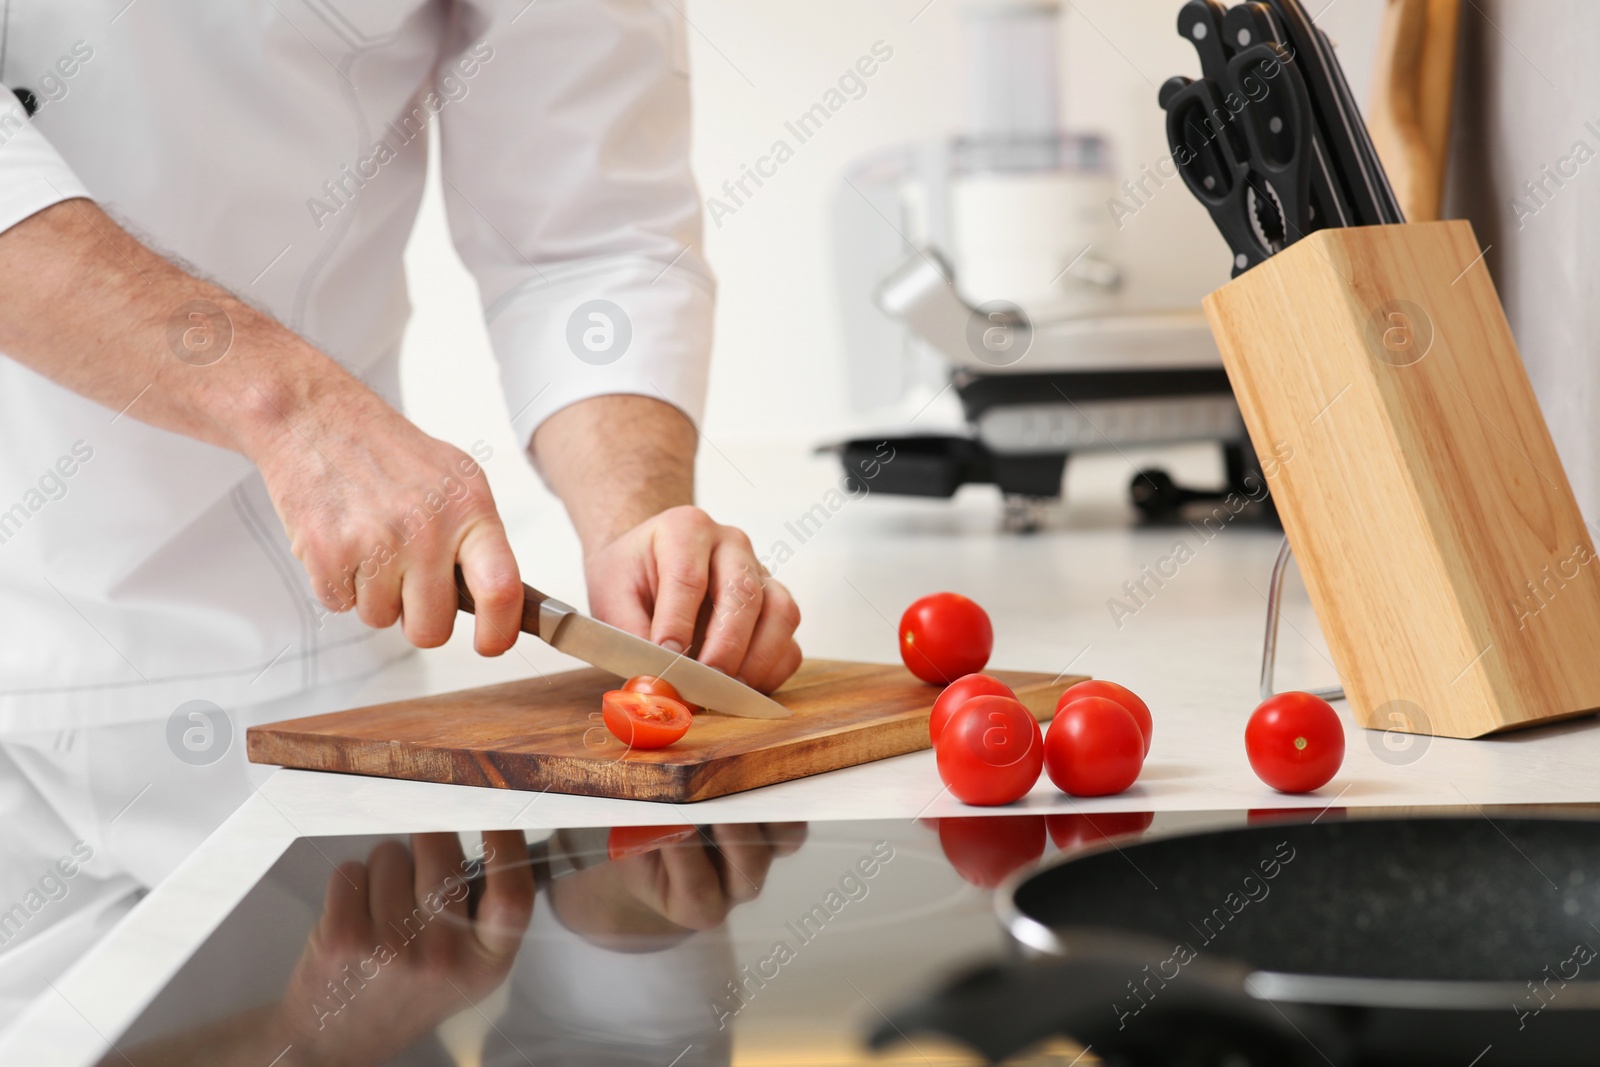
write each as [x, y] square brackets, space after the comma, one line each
[568, 630]
[1367, 191]
[1248, 24]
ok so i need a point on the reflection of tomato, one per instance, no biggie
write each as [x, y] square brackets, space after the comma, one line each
[944, 636]
[1256, 816]
[985, 848]
[991, 751]
[959, 692]
[649, 683]
[1094, 748]
[632, 840]
[1096, 687]
[640, 720]
[1077, 829]
[1295, 742]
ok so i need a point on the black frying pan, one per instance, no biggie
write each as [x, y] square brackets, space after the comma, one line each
[1416, 941]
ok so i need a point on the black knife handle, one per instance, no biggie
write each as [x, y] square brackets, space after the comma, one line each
[1200, 23]
[531, 601]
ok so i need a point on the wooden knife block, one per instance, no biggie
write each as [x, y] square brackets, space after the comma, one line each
[1438, 537]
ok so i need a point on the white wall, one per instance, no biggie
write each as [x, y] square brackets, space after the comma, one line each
[778, 362]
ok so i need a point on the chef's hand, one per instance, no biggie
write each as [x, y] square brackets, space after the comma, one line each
[380, 514]
[662, 577]
[655, 899]
[656, 565]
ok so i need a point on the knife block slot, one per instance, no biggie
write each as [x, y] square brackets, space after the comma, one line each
[1439, 539]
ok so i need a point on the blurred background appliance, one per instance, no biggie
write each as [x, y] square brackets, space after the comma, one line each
[1001, 271]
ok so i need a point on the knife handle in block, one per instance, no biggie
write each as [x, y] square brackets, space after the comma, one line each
[531, 600]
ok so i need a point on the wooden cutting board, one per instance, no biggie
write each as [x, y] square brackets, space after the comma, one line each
[546, 734]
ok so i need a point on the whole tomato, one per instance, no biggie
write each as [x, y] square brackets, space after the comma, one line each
[944, 636]
[985, 848]
[1295, 742]
[959, 692]
[1096, 687]
[990, 751]
[1094, 748]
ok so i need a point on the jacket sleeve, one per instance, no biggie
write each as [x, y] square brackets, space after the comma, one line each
[565, 160]
[32, 175]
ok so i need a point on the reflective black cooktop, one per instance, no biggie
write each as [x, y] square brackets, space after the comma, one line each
[668, 946]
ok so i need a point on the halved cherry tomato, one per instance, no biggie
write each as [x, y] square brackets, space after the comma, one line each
[649, 683]
[643, 720]
[1295, 742]
[985, 848]
[1096, 687]
[944, 636]
[625, 841]
[1078, 829]
[1094, 748]
[990, 751]
[958, 693]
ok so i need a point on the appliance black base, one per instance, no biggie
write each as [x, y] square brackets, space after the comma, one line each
[936, 465]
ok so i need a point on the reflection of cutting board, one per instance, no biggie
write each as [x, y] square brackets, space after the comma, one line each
[546, 733]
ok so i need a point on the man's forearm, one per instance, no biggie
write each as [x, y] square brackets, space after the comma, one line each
[89, 307]
[615, 461]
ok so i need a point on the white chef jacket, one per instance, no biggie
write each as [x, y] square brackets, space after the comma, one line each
[279, 147]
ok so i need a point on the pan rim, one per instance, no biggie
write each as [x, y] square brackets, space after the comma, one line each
[1282, 987]
[1288, 987]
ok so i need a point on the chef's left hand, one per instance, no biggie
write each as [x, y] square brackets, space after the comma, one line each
[659, 579]
[656, 565]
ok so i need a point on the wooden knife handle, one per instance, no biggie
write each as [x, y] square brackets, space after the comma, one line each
[531, 599]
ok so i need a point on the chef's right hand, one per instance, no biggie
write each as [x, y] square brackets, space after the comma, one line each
[380, 514]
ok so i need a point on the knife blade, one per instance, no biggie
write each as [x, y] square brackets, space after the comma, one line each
[568, 630]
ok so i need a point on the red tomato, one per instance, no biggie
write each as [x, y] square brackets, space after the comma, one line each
[1095, 687]
[944, 636]
[1295, 742]
[644, 720]
[1079, 829]
[649, 683]
[625, 841]
[1094, 748]
[959, 692]
[985, 848]
[990, 751]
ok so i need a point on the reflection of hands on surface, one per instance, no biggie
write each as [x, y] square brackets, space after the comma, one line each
[646, 902]
[398, 950]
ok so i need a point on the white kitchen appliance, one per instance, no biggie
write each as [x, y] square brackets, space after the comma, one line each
[1001, 271]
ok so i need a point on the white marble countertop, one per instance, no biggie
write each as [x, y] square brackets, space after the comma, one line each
[1192, 650]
